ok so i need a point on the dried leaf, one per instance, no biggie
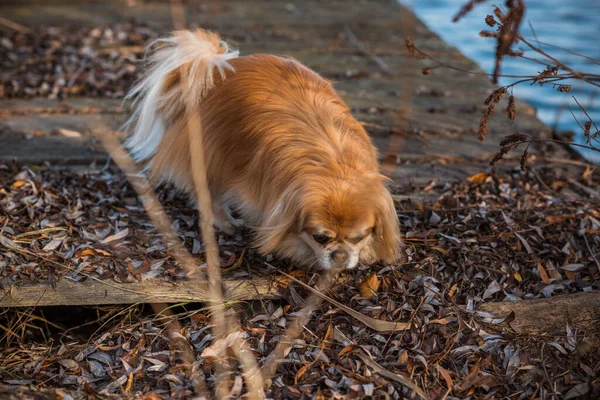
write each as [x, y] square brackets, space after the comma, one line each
[117, 236]
[573, 267]
[543, 274]
[18, 184]
[218, 349]
[375, 324]
[470, 379]
[492, 289]
[52, 245]
[525, 243]
[578, 391]
[301, 372]
[478, 178]
[390, 375]
[446, 375]
[347, 349]
[369, 287]
[69, 364]
[9, 244]
[69, 133]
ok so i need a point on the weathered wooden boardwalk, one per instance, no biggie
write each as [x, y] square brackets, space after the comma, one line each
[424, 126]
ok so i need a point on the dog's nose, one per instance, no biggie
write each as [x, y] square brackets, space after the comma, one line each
[339, 256]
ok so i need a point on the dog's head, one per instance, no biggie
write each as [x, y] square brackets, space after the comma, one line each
[330, 223]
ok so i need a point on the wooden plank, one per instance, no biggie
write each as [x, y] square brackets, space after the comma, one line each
[578, 310]
[56, 150]
[95, 292]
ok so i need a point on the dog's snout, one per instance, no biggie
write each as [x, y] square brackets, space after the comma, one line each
[339, 256]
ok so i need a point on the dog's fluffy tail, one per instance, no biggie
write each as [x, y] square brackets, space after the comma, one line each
[181, 69]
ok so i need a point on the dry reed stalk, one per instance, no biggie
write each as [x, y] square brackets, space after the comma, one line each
[295, 328]
[151, 203]
[203, 197]
[163, 224]
[182, 256]
[206, 222]
[178, 14]
[405, 106]
[181, 349]
[250, 370]
[13, 25]
[199, 175]
[222, 326]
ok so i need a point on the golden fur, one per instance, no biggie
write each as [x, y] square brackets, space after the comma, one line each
[282, 149]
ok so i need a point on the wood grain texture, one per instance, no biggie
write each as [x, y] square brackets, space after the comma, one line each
[581, 310]
[94, 292]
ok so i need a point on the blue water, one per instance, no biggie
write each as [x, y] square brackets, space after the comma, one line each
[572, 25]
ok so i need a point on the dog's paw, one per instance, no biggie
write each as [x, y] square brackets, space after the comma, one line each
[230, 226]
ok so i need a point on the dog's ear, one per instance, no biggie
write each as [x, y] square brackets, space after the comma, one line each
[286, 217]
[387, 243]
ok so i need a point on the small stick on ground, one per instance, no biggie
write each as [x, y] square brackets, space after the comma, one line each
[13, 25]
[361, 47]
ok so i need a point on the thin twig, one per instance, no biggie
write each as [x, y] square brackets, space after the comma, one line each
[576, 74]
[361, 47]
[586, 113]
[13, 25]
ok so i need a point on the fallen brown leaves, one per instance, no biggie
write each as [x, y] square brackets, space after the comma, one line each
[60, 62]
[505, 237]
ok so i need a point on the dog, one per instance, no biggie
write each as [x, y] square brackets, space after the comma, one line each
[282, 150]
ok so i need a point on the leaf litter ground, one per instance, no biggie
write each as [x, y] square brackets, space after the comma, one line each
[495, 236]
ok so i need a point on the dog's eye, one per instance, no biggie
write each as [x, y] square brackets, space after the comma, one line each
[358, 239]
[321, 238]
[355, 240]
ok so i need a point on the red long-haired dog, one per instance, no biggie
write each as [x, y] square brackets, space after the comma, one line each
[282, 149]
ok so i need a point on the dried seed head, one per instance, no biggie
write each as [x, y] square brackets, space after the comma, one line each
[586, 129]
[491, 102]
[466, 9]
[490, 20]
[563, 88]
[513, 53]
[483, 126]
[500, 154]
[426, 71]
[499, 14]
[547, 73]
[488, 34]
[524, 160]
[508, 32]
[495, 96]
[511, 109]
[413, 51]
[514, 138]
